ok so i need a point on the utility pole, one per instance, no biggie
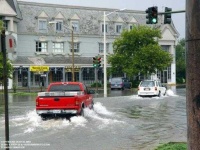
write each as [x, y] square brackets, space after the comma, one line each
[193, 73]
[5, 83]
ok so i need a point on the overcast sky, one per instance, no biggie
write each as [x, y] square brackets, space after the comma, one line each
[176, 5]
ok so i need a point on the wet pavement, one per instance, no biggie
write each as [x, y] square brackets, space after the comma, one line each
[118, 122]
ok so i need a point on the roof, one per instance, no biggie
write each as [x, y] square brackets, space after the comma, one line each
[54, 60]
[13, 4]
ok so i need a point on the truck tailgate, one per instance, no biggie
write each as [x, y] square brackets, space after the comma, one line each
[56, 102]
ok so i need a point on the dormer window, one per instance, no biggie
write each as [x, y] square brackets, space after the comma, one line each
[74, 21]
[59, 25]
[42, 22]
[75, 25]
[42, 25]
[118, 28]
[102, 28]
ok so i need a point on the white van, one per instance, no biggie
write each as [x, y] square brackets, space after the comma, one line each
[151, 88]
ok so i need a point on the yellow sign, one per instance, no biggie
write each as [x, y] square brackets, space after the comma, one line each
[39, 68]
[69, 68]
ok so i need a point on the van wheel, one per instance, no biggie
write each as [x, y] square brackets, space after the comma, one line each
[159, 94]
[165, 93]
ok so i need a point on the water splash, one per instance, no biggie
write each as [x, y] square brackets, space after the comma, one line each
[100, 109]
[170, 93]
[101, 116]
[32, 122]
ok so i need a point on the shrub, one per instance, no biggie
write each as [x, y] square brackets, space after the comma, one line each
[94, 84]
[173, 146]
[135, 83]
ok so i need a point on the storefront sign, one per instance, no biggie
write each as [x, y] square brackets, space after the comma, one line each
[39, 68]
[69, 68]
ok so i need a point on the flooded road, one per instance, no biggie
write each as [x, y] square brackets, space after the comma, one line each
[116, 123]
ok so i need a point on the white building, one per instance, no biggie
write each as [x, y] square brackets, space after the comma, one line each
[42, 45]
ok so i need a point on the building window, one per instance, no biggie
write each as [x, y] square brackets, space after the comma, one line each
[88, 74]
[59, 26]
[118, 28]
[169, 72]
[76, 47]
[130, 27]
[165, 47]
[101, 47]
[41, 46]
[102, 28]
[57, 76]
[42, 25]
[5, 24]
[58, 47]
[75, 25]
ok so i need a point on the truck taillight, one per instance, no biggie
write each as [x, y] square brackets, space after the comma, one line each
[156, 88]
[37, 102]
[76, 101]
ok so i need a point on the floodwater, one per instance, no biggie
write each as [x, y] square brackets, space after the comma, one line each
[116, 123]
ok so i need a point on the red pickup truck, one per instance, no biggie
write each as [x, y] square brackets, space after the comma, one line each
[64, 98]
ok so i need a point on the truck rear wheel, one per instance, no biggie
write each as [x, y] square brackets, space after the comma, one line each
[82, 112]
[44, 117]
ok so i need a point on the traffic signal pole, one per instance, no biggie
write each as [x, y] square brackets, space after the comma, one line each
[5, 83]
[171, 12]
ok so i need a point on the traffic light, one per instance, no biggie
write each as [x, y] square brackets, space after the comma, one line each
[152, 15]
[96, 61]
[167, 16]
[148, 16]
[99, 62]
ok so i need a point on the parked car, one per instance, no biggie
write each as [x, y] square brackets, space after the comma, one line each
[151, 88]
[120, 83]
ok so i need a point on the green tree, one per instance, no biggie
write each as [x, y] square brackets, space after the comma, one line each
[9, 64]
[9, 67]
[137, 51]
[180, 62]
[1, 26]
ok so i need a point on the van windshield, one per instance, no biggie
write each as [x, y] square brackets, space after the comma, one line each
[147, 84]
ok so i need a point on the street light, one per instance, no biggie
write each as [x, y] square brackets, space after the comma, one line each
[72, 35]
[104, 58]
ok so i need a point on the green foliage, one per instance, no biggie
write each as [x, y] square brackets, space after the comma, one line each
[180, 62]
[137, 51]
[135, 83]
[1, 26]
[96, 84]
[173, 146]
[9, 67]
